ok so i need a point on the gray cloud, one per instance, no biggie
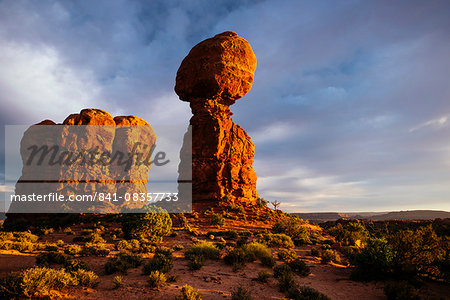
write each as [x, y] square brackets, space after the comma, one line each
[346, 109]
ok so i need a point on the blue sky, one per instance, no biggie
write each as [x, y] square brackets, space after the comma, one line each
[349, 110]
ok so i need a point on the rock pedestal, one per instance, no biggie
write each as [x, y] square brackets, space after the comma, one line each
[216, 73]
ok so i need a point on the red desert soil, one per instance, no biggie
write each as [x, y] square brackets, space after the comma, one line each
[215, 280]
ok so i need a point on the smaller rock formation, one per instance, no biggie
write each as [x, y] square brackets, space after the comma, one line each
[78, 168]
[216, 73]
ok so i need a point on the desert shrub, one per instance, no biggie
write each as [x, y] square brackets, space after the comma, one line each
[74, 265]
[196, 263]
[152, 225]
[117, 282]
[73, 249]
[374, 261]
[287, 254]
[280, 269]
[156, 279]
[22, 246]
[241, 293]
[39, 281]
[329, 255]
[259, 251]
[6, 235]
[46, 259]
[160, 262]
[122, 262]
[276, 240]
[350, 234]
[237, 258]
[133, 245]
[95, 249]
[261, 202]
[299, 267]
[306, 293]
[86, 278]
[94, 238]
[199, 253]
[217, 219]
[206, 250]
[400, 290]
[350, 252]
[314, 252]
[286, 281]
[418, 252]
[188, 293]
[263, 276]
[26, 236]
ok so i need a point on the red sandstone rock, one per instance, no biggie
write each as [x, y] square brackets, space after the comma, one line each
[214, 74]
[219, 68]
[120, 135]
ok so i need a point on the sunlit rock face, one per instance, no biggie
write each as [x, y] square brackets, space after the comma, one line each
[78, 167]
[217, 72]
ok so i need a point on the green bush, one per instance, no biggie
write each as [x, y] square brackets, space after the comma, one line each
[156, 279]
[263, 276]
[330, 255]
[286, 281]
[241, 293]
[39, 281]
[374, 261]
[276, 240]
[299, 267]
[306, 293]
[117, 282]
[419, 252]
[73, 249]
[217, 219]
[287, 254]
[188, 293]
[153, 225]
[161, 262]
[196, 263]
[237, 258]
[400, 290]
[349, 234]
[259, 251]
[280, 269]
[46, 259]
[122, 262]
[86, 278]
[199, 253]
[261, 202]
[95, 249]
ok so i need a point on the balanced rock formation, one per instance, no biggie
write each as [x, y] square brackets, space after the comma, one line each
[216, 73]
[87, 160]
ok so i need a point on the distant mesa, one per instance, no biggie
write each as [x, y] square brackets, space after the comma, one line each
[217, 72]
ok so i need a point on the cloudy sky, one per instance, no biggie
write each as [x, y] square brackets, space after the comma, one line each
[349, 110]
